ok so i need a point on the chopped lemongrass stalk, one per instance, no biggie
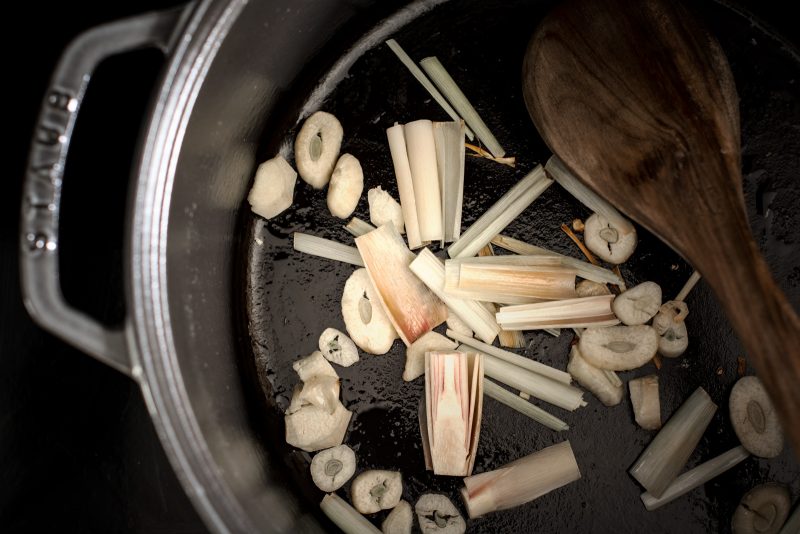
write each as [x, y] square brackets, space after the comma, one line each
[571, 313]
[688, 286]
[521, 481]
[425, 82]
[511, 339]
[523, 395]
[580, 245]
[453, 400]
[578, 332]
[511, 161]
[594, 379]
[696, 477]
[415, 354]
[410, 305]
[667, 454]
[421, 149]
[405, 185]
[508, 283]
[449, 138]
[645, 401]
[510, 357]
[555, 332]
[559, 172]
[358, 227]
[325, 248]
[524, 407]
[792, 526]
[538, 386]
[430, 270]
[453, 93]
[345, 516]
[583, 269]
[500, 215]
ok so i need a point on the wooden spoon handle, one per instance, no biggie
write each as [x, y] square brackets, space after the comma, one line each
[762, 316]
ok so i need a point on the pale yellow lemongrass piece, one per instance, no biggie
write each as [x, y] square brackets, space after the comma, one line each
[358, 227]
[421, 149]
[449, 138]
[405, 185]
[688, 286]
[325, 248]
[521, 404]
[512, 283]
[571, 313]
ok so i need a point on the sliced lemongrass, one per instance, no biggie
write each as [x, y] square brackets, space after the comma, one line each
[500, 215]
[512, 339]
[754, 419]
[688, 286]
[695, 477]
[521, 481]
[421, 149]
[376, 490]
[449, 138]
[345, 516]
[430, 270]
[415, 354]
[490, 389]
[405, 185]
[645, 401]
[507, 283]
[411, 306]
[594, 379]
[440, 77]
[325, 248]
[667, 454]
[792, 526]
[455, 323]
[583, 269]
[412, 67]
[524, 396]
[583, 248]
[510, 357]
[479, 152]
[570, 313]
[559, 172]
[358, 227]
[612, 377]
[538, 386]
[762, 510]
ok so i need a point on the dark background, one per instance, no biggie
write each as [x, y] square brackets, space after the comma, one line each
[77, 449]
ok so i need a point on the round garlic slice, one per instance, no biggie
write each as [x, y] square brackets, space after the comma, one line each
[320, 391]
[313, 365]
[336, 347]
[364, 318]
[638, 304]
[763, 510]
[437, 515]
[612, 243]
[347, 183]
[312, 428]
[673, 337]
[273, 188]
[415, 353]
[331, 468]
[384, 209]
[754, 419]
[316, 148]
[619, 348]
[399, 521]
[376, 490]
[594, 379]
[588, 288]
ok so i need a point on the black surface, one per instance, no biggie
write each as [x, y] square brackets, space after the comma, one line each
[78, 452]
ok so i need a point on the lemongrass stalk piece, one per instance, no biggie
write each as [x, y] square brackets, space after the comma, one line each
[619, 348]
[479, 152]
[331, 468]
[400, 520]
[456, 324]
[511, 339]
[383, 209]
[695, 478]
[405, 184]
[762, 510]
[688, 286]
[520, 481]
[345, 516]
[613, 378]
[430, 270]
[538, 386]
[412, 67]
[424, 427]
[500, 215]
[588, 288]
[559, 172]
[449, 138]
[440, 77]
[358, 227]
[645, 401]
[492, 390]
[667, 454]
[476, 376]
[325, 248]
[513, 284]
[569, 313]
[410, 305]
[415, 354]
[376, 490]
[510, 357]
[582, 268]
[754, 419]
[421, 149]
[437, 515]
[593, 379]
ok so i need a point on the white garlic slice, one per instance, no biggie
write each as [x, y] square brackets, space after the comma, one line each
[364, 317]
[273, 188]
[673, 337]
[619, 348]
[594, 379]
[399, 521]
[384, 209]
[336, 347]
[320, 391]
[316, 148]
[437, 515]
[313, 365]
[347, 183]
[331, 468]
[415, 353]
[762, 510]
[638, 304]
[312, 428]
[376, 490]
[612, 243]
[754, 419]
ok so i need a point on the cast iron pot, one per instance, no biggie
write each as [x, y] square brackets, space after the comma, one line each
[236, 73]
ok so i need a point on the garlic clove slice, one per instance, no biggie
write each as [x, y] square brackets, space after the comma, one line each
[336, 347]
[313, 365]
[273, 188]
[312, 428]
[316, 148]
[364, 317]
[456, 324]
[610, 242]
[594, 379]
[762, 510]
[754, 419]
[638, 304]
[376, 490]
[438, 515]
[347, 184]
[619, 348]
[671, 328]
[331, 468]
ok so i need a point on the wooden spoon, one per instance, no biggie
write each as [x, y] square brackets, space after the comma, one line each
[639, 102]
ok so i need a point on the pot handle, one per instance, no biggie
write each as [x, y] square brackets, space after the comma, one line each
[41, 204]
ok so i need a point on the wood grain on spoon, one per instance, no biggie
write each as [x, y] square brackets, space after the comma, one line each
[639, 101]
